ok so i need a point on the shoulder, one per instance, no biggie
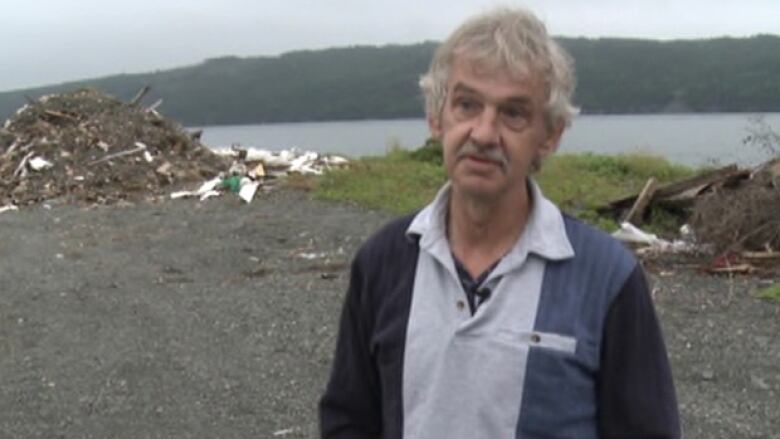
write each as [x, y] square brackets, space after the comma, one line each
[592, 242]
[383, 269]
[389, 242]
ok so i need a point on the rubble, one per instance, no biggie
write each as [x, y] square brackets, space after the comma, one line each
[649, 243]
[730, 211]
[86, 146]
[206, 190]
[745, 217]
[676, 195]
[290, 161]
[253, 168]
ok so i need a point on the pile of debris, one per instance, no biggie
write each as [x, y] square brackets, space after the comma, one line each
[88, 146]
[280, 163]
[734, 213]
[253, 168]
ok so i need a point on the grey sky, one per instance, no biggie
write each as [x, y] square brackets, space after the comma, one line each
[48, 41]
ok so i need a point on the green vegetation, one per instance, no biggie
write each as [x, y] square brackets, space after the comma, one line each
[579, 183]
[614, 76]
[406, 180]
[771, 294]
[397, 182]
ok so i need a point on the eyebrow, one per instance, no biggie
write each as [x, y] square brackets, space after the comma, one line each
[463, 88]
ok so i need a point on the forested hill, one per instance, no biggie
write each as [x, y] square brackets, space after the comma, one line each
[614, 75]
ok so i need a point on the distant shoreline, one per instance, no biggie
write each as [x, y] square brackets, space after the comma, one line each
[614, 76]
[422, 117]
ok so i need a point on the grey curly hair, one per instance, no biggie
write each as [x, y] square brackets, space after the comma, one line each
[507, 39]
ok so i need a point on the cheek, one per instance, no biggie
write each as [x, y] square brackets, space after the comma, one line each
[451, 140]
[449, 153]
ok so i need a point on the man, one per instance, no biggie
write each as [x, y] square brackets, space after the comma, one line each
[489, 314]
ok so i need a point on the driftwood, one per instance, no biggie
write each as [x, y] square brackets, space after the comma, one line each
[761, 255]
[139, 148]
[634, 216]
[734, 269]
[21, 169]
[140, 95]
[10, 149]
[60, 115]
[680, 193]
[153, 108]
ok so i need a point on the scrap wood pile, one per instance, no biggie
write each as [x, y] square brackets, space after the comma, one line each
[88, 146]
[735, 213]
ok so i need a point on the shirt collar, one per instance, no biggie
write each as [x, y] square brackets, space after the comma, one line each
[544, 234]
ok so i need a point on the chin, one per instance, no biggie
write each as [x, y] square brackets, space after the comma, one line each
[479, 189]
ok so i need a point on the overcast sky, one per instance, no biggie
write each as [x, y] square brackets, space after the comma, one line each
[49, 41]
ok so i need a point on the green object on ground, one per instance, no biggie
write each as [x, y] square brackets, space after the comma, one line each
[232, 183]
[771, 293]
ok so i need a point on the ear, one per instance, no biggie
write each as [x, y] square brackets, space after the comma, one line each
[554, 134]
[434, 126]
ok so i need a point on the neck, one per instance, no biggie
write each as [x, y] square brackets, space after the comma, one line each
[482, 231]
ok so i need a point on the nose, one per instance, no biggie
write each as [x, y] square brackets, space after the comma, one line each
[485, 129]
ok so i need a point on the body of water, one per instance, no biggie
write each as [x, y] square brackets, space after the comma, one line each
[691, 139]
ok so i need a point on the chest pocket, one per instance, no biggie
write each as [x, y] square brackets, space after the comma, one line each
[549, 340]
[541, 340]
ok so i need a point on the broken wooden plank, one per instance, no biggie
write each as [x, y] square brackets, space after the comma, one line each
[21, 170]
[688, 197]
[703, 180]
[761, 255]
[140, 147]
[668, 191]
[733, 269]
[11, 149]
[60, 115]
[140, 95]
[637, 212]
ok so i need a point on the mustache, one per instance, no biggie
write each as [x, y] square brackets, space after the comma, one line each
[491, 153]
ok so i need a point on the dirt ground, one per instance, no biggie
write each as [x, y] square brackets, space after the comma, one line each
[218, 320]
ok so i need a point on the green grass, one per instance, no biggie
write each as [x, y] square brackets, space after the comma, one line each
[771, 294]
[395, 182]
[403, 181]
[579, 183]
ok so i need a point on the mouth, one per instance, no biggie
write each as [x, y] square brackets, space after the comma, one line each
[481, 160]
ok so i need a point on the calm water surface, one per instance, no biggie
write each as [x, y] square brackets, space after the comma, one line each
[692, 139]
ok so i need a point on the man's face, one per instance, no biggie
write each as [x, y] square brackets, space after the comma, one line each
[493, 129]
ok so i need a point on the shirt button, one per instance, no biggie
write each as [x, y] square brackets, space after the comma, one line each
[460, 305]
[535, 338]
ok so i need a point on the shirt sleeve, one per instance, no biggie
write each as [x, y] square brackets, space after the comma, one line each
[636, 396]
[351, 407]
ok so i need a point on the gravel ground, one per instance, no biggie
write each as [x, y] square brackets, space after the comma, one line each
[218, 320]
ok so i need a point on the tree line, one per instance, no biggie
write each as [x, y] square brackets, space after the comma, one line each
[366, 82]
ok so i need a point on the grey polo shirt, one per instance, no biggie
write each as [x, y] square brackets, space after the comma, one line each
[567, 346]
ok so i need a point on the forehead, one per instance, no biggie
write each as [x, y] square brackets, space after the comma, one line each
[495, 81]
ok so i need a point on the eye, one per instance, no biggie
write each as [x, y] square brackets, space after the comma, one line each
[515, 116]
[466, 107]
